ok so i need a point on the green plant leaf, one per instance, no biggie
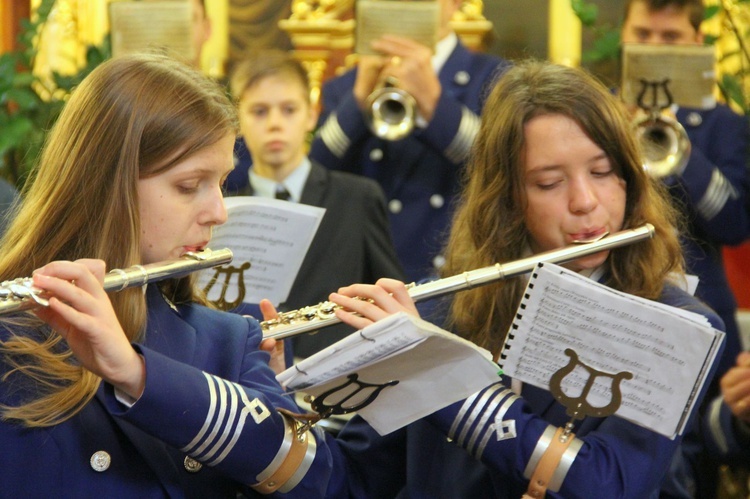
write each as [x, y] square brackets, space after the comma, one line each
[711, 11]
[24, 98]
[731, 87]
[14, 131]
[587, 12]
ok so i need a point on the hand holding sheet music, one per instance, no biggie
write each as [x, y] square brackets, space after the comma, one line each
[668, 350]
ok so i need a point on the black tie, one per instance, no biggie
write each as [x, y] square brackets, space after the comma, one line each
[282, 193]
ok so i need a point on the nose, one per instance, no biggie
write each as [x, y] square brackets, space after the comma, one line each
[583, 198]
[215, 212]
[274, 118]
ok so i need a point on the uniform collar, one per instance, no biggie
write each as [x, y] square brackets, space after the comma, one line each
[294, 182]
[443, 50]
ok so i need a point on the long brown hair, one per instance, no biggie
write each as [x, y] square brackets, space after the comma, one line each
[489, 224]
[132, 117]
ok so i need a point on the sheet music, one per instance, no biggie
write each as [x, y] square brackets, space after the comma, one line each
[273, 236]
[138, 26]
[416, 20]
[689, 68]
[433, 368]
[668, 350]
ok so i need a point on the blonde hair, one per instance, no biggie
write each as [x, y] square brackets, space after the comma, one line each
[489, 224]
[132, 117]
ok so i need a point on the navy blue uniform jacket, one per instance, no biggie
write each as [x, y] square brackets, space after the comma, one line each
[618, 459]
[713, 190]
[419, 174]
[209, 393]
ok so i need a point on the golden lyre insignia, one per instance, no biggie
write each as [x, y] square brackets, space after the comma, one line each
[228, 271]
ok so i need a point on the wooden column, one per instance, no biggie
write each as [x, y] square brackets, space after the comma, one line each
[11, 13]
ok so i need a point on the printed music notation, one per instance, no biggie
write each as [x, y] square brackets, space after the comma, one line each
[273, 236]
[668, 350]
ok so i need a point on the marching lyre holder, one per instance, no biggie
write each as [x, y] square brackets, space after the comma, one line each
[221, 301]
[345, 398]
[544, 473]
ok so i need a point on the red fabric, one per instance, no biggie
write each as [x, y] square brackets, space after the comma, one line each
[737, 265]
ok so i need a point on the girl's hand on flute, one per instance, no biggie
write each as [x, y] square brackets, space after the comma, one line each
[270, 345]
[372, 302]
[80, 311]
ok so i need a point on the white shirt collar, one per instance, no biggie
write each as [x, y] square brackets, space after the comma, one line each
[443, 50]
[294, 182]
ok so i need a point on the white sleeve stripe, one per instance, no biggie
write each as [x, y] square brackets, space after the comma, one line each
[459, 148]
[333, 136]
[209, 416]
[240, 425]
[717, 194]
[478, 409]
[491, 429]
[461, 414]
[230, 421]
[216, 431]
[714, 425]
[486, 415]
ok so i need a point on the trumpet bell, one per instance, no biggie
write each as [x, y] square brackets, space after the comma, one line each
[665, 145]
[391, 113]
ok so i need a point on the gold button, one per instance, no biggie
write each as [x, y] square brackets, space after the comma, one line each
[191, 465]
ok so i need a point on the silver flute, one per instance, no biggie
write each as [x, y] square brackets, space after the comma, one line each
[20, 294]
[318, 316]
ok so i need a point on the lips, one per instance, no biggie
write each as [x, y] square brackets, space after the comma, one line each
[588, 234]
[197, 247]
[275, 145]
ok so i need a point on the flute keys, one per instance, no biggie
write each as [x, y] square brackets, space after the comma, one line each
[21, 288]
[326, 310]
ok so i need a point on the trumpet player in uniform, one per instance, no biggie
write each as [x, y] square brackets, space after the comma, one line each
[554, 162]
[419, 173]
[713, 186]
[712, 190]
[144, 393]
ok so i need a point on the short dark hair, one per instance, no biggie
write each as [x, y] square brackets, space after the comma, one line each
[695, 8]
[264, 64]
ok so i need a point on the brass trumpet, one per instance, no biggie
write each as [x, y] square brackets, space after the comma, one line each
[664, 142]
[312, 318]
[391, 112]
